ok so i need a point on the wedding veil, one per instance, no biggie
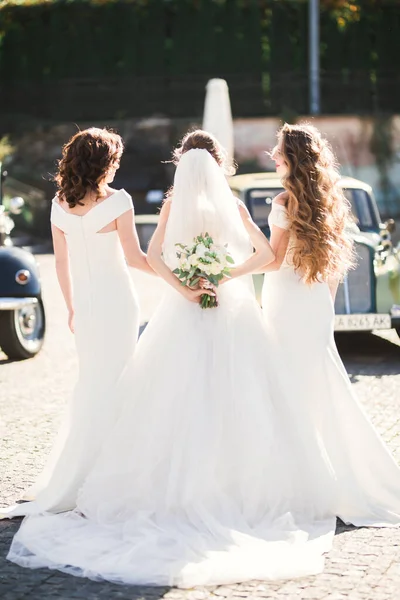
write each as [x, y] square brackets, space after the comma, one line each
[202, 202]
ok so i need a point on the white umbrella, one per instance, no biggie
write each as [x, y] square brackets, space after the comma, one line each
[217, 117]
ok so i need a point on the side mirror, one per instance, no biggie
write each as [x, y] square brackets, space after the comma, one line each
[16, 205]
[390, 225]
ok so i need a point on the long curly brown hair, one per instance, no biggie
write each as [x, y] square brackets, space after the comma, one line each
[317, 208]
[85, 162]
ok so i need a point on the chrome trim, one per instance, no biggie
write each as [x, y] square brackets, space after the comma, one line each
[16, 303]
[346, 295]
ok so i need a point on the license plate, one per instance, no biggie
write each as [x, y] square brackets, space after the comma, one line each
[367, 322]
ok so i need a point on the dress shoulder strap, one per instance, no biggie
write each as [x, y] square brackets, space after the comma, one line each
[110, 209]
[279, 216]
[57, 215]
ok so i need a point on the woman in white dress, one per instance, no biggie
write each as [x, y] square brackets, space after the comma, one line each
[95, 240]
[313, 252]
[200, 482]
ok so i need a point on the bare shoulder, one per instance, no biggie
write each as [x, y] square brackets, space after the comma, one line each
[165, 210]
[281, 198]
[244, 211]
[166, 206]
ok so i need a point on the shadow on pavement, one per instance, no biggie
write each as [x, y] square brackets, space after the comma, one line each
[17, 583]
[366, 354]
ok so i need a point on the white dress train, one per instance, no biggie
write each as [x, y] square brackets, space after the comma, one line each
[198, 483]
[215, 472]
[106, 331]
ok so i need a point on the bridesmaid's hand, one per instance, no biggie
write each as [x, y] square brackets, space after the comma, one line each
[224, 280]
[206, 285]
[195, 295]
[71, 323]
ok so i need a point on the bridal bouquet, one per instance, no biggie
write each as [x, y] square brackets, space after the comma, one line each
[203, 260]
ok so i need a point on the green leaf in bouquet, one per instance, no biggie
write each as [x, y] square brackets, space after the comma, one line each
[176, 271]
[229, 259]
[195, 281]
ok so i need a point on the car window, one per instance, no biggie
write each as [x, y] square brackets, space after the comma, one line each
[145, 232]
[259, 203]
[363, 209]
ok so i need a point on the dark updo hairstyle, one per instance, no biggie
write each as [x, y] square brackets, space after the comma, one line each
[84, 164]
[198, 139]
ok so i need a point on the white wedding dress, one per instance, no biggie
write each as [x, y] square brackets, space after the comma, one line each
[106, 331]
[342, 448]
[207, 478]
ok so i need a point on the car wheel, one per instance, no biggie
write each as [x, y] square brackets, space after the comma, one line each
[22, 331]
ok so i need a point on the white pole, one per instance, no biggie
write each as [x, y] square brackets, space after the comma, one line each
[313, 48]
[217, 118]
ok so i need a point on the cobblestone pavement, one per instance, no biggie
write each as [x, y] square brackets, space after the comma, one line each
[364, 563]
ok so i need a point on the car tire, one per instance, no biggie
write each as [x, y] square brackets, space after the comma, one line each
[22, 332]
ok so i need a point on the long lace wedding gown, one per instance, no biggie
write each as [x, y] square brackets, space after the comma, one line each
[340, 444]
[106, 331]
[206, 478]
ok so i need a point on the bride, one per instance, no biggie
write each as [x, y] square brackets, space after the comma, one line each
[199, 481]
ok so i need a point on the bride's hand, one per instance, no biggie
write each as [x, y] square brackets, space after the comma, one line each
[195, 295]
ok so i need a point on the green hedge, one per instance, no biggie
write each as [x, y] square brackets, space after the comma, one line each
[157, 55]
[82, 39]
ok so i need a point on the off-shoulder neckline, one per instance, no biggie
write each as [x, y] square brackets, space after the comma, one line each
[92, 209]
[279, 205]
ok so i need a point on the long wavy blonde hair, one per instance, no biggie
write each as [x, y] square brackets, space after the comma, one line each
[317, 207]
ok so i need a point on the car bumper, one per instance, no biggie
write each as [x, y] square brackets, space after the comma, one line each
[396, 322]
[16, 303]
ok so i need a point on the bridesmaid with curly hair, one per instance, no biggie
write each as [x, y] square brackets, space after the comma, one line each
[95, 240]
[353, 473]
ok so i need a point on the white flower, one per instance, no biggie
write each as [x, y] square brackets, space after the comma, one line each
[184, 264]
[201, 250]
[216, 268]
[206, 269]
[194, 260]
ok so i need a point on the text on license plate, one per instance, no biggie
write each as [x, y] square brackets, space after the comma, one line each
[362, 322]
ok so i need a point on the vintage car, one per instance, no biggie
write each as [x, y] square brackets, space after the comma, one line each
[369, 297]
[22, 316]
